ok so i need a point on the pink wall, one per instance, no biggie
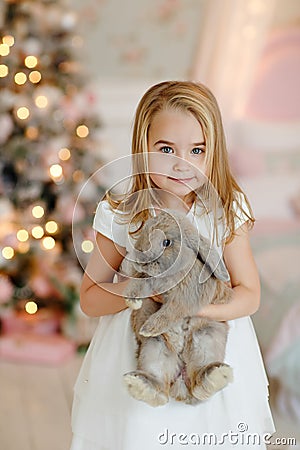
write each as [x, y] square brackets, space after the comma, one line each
[275, 95]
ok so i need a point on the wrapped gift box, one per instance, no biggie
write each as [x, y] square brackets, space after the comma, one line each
[45, 321]
[33, 348]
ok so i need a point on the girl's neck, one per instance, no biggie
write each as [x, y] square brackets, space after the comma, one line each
[171, 201]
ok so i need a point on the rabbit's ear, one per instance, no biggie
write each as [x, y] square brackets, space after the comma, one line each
[213, 262]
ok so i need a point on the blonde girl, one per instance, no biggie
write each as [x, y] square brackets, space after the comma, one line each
[179, 161]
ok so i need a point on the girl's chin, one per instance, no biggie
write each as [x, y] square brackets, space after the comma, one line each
[180, 193]
[179, 186]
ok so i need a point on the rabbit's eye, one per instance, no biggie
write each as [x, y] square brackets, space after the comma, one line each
[166, 242]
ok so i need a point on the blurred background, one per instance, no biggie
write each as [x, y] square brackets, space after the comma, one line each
[71, 74]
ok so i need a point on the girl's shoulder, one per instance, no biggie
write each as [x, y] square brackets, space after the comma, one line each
[108, 222]
[211, 222]
[240, 209]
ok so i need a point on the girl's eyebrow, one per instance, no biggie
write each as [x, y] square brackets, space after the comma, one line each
[163, 141]
[199, 143]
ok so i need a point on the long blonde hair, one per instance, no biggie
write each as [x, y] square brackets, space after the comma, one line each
[197, 99]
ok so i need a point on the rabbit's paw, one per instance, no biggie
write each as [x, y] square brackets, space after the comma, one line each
[154, 326]
[142, 388]
[212, 379]
[134, 303]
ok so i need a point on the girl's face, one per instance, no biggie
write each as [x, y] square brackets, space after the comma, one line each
[176, 147]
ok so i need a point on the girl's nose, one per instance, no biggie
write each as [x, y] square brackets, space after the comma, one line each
[180, 164]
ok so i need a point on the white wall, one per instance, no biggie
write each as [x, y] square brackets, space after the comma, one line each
[117, 101]
[140, 39]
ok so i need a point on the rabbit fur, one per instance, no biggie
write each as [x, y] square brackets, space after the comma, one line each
[178, 354]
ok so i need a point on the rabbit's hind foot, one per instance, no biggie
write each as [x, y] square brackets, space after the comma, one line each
[141, 387]
[211, 379]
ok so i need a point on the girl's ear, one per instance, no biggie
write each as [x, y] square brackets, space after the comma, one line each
[212, 261]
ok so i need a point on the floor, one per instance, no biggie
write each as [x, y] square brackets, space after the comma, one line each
[287, 431]
[35, 406]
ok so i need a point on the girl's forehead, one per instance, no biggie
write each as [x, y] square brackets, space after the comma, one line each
[177, 123]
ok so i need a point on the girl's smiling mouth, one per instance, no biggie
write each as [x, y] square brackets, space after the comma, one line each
[181, 180]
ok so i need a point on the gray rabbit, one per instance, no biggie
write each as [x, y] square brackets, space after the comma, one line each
[179, 354]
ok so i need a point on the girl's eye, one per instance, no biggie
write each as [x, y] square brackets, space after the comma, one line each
[166, 149]
[197, 151]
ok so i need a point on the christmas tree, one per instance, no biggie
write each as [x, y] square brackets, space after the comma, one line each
[48, 140]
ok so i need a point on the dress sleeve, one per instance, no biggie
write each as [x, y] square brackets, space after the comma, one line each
[241, 210]
[106, 222]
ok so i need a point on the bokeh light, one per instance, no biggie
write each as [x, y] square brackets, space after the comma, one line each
[37, 232]
[82, 131]
[20, 78]
[8, 252]
[35, 76]
[31, 307]
[48, 243]
[23, 113]
[22, 235]
[87, 246]
[31, 61]
[38, 211]
[3, 70]
[51, 226]
[64, 154]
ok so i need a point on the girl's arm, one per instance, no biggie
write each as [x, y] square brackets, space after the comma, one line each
[99, 296]
[244, 278]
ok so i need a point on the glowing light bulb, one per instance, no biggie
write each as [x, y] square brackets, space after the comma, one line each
[38, 211]
[82, 131]
[64, 154]
[31, 133]
[31, 307]
[20, 78]
[41, 101]
[56, 171]
[37, 232]
[22, 235]
[87, 246]
[35, 76]
[3, 70]
[8, 40]
[31, 61]
[23, 113]
[4, 50]
[8, 252]
[48, 243]
[51, 226]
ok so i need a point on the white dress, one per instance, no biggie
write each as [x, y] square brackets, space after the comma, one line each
[106, 417]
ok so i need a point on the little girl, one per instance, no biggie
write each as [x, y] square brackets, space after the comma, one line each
[179, 157]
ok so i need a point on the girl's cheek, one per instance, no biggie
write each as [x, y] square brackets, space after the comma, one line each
[159, 163]
[202, 177]
[158, 180]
